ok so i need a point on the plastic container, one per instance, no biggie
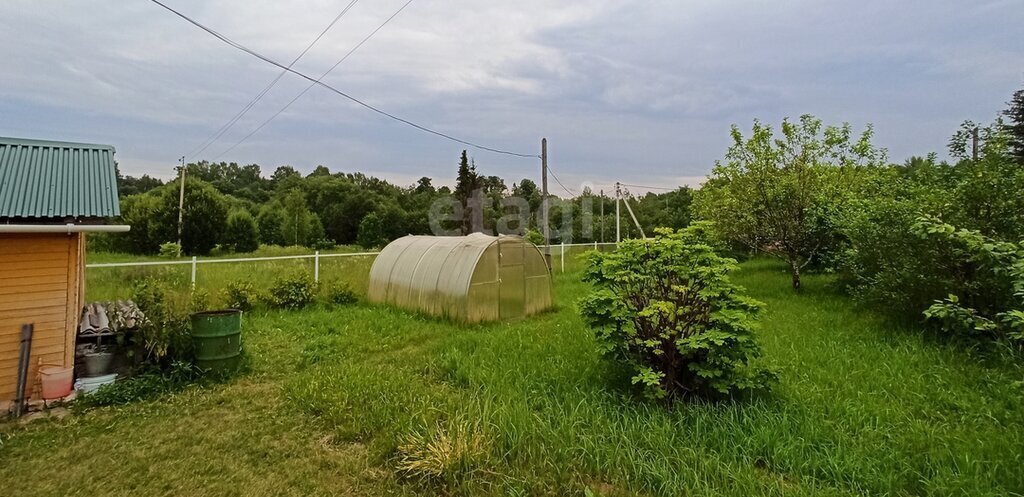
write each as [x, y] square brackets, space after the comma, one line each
[56, 381]
[90, 384]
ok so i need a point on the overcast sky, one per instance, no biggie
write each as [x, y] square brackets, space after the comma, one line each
[642, 92]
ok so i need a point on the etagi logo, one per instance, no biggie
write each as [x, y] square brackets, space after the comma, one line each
[512, 216]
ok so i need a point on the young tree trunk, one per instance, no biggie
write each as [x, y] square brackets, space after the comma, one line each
[795, 271]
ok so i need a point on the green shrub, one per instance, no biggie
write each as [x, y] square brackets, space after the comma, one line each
[535, 237]
[240, 295]
[339, 293]
[667, 310]
[989, 299]
[165, 333]
[892, 265]
[148, 385]
[170, 250]
[241, 232]
[291, 292]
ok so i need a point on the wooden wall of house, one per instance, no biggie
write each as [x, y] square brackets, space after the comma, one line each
[42, 281]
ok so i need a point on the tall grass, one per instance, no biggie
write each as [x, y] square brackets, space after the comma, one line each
[862, 408]
[374, 400]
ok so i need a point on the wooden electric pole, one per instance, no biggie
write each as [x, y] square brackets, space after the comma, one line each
[181, 204]
[544, 200]
[974, 143]
[602, 216]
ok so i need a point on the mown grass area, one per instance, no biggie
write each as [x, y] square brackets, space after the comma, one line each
[340, 400]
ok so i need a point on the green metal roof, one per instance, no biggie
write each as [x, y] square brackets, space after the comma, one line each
[49, 179]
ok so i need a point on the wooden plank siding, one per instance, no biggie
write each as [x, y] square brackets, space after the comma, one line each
[41, 282]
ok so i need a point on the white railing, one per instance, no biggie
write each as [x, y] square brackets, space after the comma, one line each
[195, 261]
[316, 256]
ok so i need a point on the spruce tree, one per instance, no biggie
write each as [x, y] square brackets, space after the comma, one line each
[468, 181]
[1015, 127]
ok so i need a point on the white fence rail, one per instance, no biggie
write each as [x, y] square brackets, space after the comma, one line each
[316, 256]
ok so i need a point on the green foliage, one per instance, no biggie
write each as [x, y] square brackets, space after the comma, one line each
[141, 213]
[165, 333]
[149, 384]
[535, 237]
[204, 215]
[299, 225]
[291, 292]
[371, 231]
[989, 299]
[270, 220]
[467, 184]
[325, 207]
[339, 294]
[667, 310]
[241, 295]
[890, 265]
[782, 195]
[241, 233]
[170, 250]
[864, 408]
[1015, 129]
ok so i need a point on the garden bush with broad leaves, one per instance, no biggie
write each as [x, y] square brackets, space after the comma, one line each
[989, 301]
[666, 309]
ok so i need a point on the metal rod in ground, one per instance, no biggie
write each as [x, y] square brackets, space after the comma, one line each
[23, 361]
[544, 200]
[181, 204]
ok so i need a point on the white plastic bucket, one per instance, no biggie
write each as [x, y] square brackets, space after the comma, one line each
[90, 384]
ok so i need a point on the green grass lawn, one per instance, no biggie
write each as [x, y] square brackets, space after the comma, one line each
[340, 400]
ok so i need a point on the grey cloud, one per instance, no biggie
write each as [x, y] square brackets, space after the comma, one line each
[644, 89]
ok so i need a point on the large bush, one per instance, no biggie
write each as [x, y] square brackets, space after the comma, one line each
[241, 233]
[988, 300]
[165, 333]
[204, 216]
[889, 264]
[666, 309]
[292, 292]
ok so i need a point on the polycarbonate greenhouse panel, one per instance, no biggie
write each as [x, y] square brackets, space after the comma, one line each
[467, 278]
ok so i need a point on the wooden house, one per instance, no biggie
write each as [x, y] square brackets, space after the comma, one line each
[51, 195]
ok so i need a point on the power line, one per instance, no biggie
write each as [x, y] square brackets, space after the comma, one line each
[570, 192]
[231, 122]
[335, 90]
[311, 85]
[652, 187]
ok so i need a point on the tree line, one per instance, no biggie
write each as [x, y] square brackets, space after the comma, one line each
[232, 207]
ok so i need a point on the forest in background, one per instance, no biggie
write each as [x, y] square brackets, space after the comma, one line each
[237, 207]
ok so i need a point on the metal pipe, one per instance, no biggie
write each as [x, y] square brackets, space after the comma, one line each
[64, 228]
[23, 362]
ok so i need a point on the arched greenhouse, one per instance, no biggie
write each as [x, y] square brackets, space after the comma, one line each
[466, 278]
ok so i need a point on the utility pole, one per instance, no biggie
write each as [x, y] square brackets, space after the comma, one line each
[974, 142]
[602, 215]
[618, 228]
[181, 204]
[544, 200]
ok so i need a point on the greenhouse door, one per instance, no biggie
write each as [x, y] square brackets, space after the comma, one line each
[511, 280]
